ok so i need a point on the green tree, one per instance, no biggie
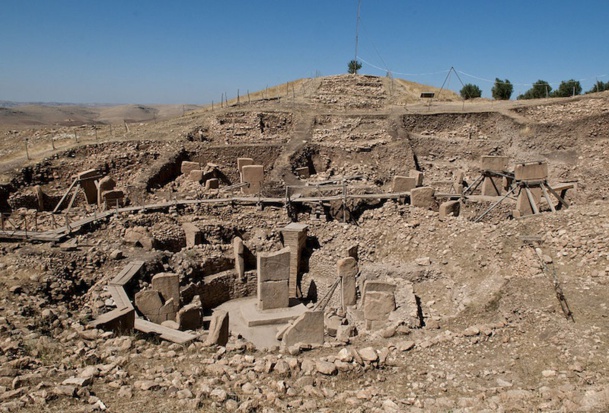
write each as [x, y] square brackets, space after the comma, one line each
[540, 90]
[568, 88]
[502, 89]
[354, 66]
[470, 91]
[599, 86]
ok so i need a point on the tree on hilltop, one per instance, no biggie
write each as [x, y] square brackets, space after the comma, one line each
[502, 89]
[354, 66]
[599, 86]
[470, 91]
[540, 89]
[568, 88]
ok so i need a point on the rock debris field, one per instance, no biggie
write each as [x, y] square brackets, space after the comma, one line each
[340, 246]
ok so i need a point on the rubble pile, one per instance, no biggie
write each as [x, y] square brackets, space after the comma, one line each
[352, 92]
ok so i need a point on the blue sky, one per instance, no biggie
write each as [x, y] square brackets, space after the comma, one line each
[109, 51]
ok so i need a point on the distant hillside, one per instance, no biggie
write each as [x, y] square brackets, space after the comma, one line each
[339, 91]
[13, 104]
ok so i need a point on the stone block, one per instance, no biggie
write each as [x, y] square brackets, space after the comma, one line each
[423, 197]
[295, 237]
[119, 320]
[531, 172]
[196, 175]
[403, 183]
[193, 234]
[494, 163]
[353, 251]
[254, 176]
[239, 250]
[378, 305]
[241, 162]
[523, 204]
[449, 208]
[458, 178]
[378, 286]
[188, 166]
[218, 329]
[139, 236]
[303, 172]
[40, 197]
[308, 328]
[190, 317]
[168, 285]
[273, 294]
[103, 185]
[491, 186]
[112, 199]
[87, 183]
[149, 303]
[347, 271]
[212, 183]
[408, 312]
[168, 311]
[418, 175]
[274, 266]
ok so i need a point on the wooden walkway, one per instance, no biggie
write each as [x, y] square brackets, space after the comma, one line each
[58, 234]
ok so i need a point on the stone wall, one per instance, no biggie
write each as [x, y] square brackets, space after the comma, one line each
[225, 286]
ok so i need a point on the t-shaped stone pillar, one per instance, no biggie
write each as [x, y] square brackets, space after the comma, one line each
[295, 237]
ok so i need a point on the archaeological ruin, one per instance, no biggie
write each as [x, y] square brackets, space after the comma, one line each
[347, 245]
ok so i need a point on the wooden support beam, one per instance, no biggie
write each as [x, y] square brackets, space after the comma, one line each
[547, 197]
[560, 198]
[534, 206]
[63, 198]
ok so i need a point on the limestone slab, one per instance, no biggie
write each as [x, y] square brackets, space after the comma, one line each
[423, 197]
[188, 166]
[494, 163]
[189, 317]
[347, 271]
[531, 172]
[417, 175]
[149, 303]
[119, 320]
[403, 183]
[254, 176]
[218, 328]
[193, 234]
[241, 162]
[212, 183]
[308, 329]
[273, 294]
[87, 183]
[238, 250]
[274, 266]
[168, 284]
[378, 305]
[449, 208]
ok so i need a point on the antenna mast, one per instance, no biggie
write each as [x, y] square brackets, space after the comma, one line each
[359, 4]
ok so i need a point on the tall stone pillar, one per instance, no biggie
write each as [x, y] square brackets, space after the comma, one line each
[295, 237]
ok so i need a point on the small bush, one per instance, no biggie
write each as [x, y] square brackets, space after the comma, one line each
[354, 66]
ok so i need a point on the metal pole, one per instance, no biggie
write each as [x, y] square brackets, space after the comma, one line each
[359, 5]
